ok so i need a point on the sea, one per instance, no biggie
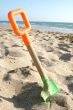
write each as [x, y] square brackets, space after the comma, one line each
[50, 26]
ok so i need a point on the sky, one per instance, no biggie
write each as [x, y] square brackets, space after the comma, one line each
[40, 10]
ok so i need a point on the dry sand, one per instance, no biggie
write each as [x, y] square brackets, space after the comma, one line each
[20, 83]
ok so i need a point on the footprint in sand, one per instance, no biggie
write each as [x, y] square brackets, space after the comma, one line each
[62, 102]
[16, 52]
[22, 73]
[64, 47]
[69, 83]
[16, 45]
[49, 49]
[4, 51]
[66, 57]
[46, 61]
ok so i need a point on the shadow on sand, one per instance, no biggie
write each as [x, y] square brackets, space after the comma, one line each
[28, 96]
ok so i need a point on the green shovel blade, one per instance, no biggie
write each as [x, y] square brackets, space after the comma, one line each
[53, 89]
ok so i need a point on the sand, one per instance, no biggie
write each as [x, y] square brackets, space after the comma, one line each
[20, 83]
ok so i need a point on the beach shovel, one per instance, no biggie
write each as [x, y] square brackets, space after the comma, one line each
[49, 86]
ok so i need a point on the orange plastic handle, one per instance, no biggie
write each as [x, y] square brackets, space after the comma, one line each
[19, 32]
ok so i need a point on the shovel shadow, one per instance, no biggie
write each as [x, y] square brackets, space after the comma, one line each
[27, 98]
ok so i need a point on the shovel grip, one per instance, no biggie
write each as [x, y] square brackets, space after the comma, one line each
[22, 31]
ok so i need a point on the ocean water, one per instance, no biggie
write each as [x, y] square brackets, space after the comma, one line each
[50, 26]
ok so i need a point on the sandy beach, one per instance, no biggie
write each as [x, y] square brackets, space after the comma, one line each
[20, 83]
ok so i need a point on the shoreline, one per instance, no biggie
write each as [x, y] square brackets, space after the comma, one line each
[36, 29]
[49, 26]
[63, 35]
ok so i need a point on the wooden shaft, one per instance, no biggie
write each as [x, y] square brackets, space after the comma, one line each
[36, 60]
[33, 55]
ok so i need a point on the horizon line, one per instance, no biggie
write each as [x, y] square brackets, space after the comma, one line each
[39, 21]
